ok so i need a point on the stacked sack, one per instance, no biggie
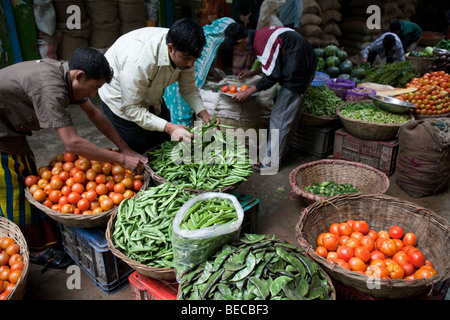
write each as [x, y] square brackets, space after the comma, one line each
[132, 15]
[397, 9]
[68, 40]
[331, 16]
[310, 23]
[355, 33]
[104, 18]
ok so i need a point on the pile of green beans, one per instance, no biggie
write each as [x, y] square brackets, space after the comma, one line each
[367, 111]
[215, 171]
[143, 226]
[256, 267]
[330, 188]
[321, 101]
[207, 213]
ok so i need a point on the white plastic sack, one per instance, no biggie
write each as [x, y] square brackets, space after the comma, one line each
[44, 16]
[191, 247]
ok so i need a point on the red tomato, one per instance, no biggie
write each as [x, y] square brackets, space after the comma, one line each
[31, 180]
[408, 269]
[416, 258]
[361, 226]
[368, 242]
[69, 157]
[362, 253]
[400, 257]
[342, 263]
[225, 89]
[396, 232]
[388, 247]
[373, 234]
[410, 239]
[377, 272]
[344, 229]
[322, 251]
[83, 204]
[330, 241]
[74, 197]
[377, 255]
[344, 253]
[343, 240]
[334, 229]
[357, 264]
[353, 243]
[137, 185]
[395, 271]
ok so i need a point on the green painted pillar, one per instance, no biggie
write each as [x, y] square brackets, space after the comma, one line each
[6, 51]
[26, 28]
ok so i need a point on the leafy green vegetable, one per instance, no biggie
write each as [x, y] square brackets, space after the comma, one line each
[321, 101]
[396, 74]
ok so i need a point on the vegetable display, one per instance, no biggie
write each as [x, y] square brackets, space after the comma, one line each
[143, 226]
[387, 253]
[367, 111]
[330, 188]
[218, 167]
[396, 74]
[321, 101]
[431, 96]
[11, 265]
[73, 184]
[208, 213]
[256, 267]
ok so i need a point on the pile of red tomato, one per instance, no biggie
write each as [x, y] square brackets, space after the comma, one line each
[233, 89]
[431, 96]
[73, 184]
[11, 265]
[384, 254]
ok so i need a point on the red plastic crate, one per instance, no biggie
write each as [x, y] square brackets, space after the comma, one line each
[145, 288]
[381, 155]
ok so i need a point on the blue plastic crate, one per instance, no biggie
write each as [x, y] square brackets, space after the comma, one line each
[320, 79]
[250, 205]
[89, 249]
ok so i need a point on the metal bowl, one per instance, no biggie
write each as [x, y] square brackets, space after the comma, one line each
[392, 104]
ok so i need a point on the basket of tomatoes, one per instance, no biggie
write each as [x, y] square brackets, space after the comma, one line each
[432, 96]
[83, 193]
[14, 261]
[377, 244]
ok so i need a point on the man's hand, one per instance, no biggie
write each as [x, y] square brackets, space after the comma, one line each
[242, 95]
[178, 132]
[206, 117]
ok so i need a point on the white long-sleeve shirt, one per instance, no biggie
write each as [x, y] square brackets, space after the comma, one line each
[377, 46]
[142, 71]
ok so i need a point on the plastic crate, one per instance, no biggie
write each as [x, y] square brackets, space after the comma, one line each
[381, 155]
[317, 141]
[145, 288]
[250, 205]
[89, 249]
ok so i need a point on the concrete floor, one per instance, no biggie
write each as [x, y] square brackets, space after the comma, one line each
[279, 212]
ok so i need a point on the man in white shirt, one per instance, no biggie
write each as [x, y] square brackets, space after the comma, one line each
[145, 62]
[388, 47]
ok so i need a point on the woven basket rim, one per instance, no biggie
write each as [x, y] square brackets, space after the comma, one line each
[301, 192]
[357, 278]
[6, 225]
[427, 116]
[131, 262]
[83, 220]
[376, 124]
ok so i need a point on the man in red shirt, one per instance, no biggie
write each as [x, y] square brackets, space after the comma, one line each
[286, 58]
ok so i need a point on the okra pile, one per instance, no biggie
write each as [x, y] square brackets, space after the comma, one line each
[256, 267]
[143, 226]
[212, 168]
[330, 188]
[206, 213]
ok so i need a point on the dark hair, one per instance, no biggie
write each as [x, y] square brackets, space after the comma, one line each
[395, 25]
[186, 35]
[233, 33]
[92, 62]
[388, 41]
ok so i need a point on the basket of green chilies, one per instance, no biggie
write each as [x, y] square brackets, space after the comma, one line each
[202, 225]
[210, 163]
[140, 231]
[366, 121]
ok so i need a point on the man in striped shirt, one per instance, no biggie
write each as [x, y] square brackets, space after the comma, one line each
[286, 58]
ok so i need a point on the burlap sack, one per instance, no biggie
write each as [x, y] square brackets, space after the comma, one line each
[423, 161]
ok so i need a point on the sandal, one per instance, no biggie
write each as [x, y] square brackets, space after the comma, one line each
[53, 258]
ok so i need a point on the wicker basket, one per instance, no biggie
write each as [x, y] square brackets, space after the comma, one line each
[420, 63]
[311, 120]
[381, 212]
[430, 38]
[167, 274]
[370, 130]
[10, 229]
[364, 178]
[86, 220]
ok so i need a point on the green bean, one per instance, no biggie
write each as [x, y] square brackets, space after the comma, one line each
[367, 111]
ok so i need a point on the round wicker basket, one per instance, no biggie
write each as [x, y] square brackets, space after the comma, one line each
[167, 274]
[364, 178]
[381, 212]
[311, 120]
[10, 229]
[370, 130]
[86, 220]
